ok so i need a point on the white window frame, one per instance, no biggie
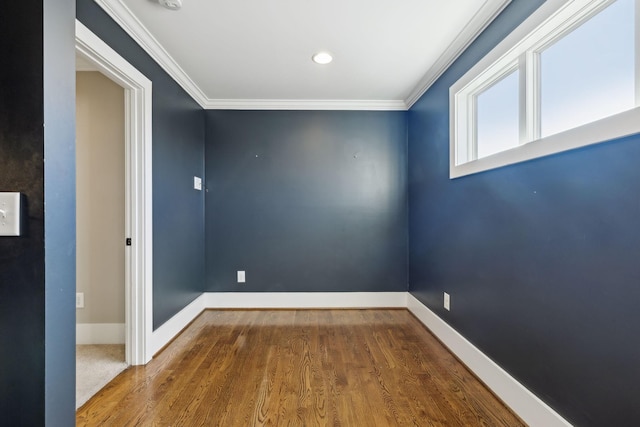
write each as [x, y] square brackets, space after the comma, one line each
[521, 50]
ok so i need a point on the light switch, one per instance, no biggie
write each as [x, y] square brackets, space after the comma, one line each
[10, 214]
[197, 183]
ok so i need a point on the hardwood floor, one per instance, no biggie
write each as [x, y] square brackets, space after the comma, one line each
[301, 368]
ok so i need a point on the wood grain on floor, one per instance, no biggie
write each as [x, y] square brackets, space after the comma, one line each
[299, 367]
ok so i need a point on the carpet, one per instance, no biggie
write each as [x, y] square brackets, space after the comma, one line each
[96, 366]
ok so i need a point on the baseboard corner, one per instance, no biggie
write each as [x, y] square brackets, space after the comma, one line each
[531, 409]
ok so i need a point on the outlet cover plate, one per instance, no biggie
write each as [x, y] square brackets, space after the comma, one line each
[447, 302]
[80, 300]
[241, 277]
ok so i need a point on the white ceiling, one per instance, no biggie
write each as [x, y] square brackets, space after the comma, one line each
[257, 53]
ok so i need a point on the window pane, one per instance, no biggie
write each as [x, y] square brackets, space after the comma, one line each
[589, 74]
[497, 117]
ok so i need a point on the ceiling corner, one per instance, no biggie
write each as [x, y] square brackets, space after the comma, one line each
[123, 16]
[467, 35]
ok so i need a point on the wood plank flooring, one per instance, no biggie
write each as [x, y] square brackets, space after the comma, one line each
[299, 368]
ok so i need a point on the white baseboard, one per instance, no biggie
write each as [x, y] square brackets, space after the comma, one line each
[306, 299]
[524, 403]
[99, 333]
[165, 333]
[172, 327]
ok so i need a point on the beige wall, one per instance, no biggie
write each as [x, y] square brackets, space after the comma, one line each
[100, 198]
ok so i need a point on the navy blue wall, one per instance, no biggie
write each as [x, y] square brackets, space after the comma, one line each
[60, 211]
[541, 258]
[178, 156]
[306, 201]
[37, 270]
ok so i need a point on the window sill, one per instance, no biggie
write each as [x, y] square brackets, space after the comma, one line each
[607, 129]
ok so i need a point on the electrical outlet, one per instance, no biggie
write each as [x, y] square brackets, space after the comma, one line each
[447, 302]
[241, 277]
[80, 300]
[197, 183]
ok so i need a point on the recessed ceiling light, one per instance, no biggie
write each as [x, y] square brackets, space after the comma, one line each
[322, 58]
[171, 4]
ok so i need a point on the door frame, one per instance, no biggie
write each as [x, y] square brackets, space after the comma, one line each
[138, 190]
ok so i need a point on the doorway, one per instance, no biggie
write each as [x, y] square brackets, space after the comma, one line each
[100, 231]
[137, 185]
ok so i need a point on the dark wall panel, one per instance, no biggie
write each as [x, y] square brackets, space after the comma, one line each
[22, 307]
[306, 201]
[37, 318]
[178, 156]
[60, 211]
[540, 258]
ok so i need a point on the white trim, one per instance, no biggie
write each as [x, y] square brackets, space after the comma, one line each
[607, 129]
[85, 67]
[516, 43]
[123, 16]
[100, 333]
[305, 299]
[243, 300]
[470, 32]
[524, 403]
[550, 22]
[138, 189]
[305, 104]
[172, 327]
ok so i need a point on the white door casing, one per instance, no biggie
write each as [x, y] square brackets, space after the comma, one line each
[138, 190]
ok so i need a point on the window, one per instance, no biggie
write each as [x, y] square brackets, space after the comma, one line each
[567, 77]
[497, 116]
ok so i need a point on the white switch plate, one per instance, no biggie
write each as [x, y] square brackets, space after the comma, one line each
[197, 183]
[10, 214]
[447, 302]
[241, 277]
[80, 300]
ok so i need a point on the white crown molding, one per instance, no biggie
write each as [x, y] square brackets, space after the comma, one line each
[305, 104]
[123, 16]
[469, 33]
